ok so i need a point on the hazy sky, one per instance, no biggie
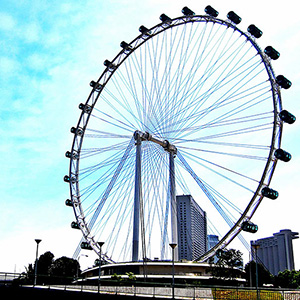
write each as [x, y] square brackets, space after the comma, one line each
[49, 52]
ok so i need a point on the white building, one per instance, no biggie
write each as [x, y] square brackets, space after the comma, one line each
[276, 252]
[192, 228]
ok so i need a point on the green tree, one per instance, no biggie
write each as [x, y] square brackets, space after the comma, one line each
[287, 279]
[44, 263]
[43, 267]
[229, 260]
[64, 269]
[116, 277]
[131, 276]
[264, 276]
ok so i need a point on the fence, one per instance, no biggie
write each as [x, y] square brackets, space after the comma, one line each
[196, 292]
[6, 278]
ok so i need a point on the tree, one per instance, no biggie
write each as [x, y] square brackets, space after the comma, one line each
[228, 263]
[264, 276]
[44, 263]
[131, 276]
[116, 277]
[64, 269]
[287, 279]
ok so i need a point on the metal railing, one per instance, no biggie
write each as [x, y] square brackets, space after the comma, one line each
[6, 278]
[160, 291]
[212, 293]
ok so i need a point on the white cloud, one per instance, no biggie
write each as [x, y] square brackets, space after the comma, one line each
[7, 22]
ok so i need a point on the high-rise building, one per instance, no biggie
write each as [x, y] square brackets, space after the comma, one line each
[212, 240]
[276, 252]
[191, 227]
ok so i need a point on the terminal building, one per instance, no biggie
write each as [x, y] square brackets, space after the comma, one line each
[191, 228]
[276, 252]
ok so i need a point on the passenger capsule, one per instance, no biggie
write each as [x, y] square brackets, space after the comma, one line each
[86, 246]
[73, 130]
[249, 227]
[107, 63]
[269, 193]
[272, 53]
[253, 30]
[95, 85]
[287, 117]
[187, 12]
[127, 48]
[283, 82]
[75, 225]
[211, 11]
[233, 17]
[66, 178]
[68, 202]
[124, 45]
[164, 18]
[282, 155]
[68, 154]
[77, 131]
[144, 30]
[85, 107]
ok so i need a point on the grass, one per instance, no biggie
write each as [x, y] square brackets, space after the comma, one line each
[240, 294]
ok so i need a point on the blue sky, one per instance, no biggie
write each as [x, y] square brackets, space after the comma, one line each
[49, 52]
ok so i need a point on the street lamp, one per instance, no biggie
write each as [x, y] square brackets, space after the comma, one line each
[256, 246]
[100, 261]
[36, 260]
[173, 246]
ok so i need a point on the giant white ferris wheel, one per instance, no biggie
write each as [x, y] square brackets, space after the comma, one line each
[191, 106]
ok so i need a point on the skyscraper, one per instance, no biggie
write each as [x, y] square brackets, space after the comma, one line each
[192, 228]
[276, 252]
[212, 240]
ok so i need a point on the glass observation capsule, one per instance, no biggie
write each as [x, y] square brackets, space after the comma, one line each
[272, 53]
[144, 30]
[287, 117]
[86, 246]
[253, 30]
[97, 86]
[211, 11]
[77, 131]
[269, 193]
[187, 12]
[282, 155]
[249, 227]
[68, 202]
[233, 17]
[75, 225]
[283, 82]
[66, 178]
[165, 18]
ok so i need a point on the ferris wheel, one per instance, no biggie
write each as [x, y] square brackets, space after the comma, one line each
[191, 106]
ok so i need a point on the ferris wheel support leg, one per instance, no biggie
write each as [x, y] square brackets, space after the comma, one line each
[137, 197]
[173, 202]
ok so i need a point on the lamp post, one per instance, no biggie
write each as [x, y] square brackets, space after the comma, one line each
[173, 246]
[36, 260]
[100, 261]
[256, 246]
